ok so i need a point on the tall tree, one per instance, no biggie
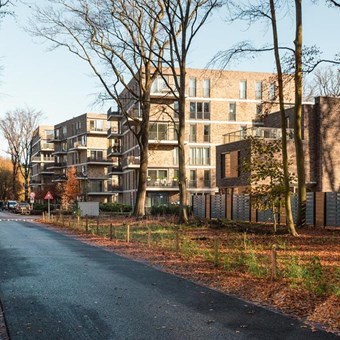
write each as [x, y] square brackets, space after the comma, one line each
[17, 127]
[119, 40]
[258, 12]
[6, 188]
[181, 23]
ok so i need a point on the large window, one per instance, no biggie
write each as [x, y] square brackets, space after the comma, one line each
[206, 133]
[200, 110]
[158, 131]
[271, 93]
[207, 178]
[193, 133]
[96, 125]
[206, 88]
[96, 155]
[192, 87]
[232, 111]
[258, 90]
[243, 89]
[160, 85]
[199, 156]
[193, 179]
[157, 177]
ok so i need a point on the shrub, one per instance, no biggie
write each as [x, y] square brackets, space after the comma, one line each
[114, 207]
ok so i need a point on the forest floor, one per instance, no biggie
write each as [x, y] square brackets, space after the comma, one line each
[237, 259]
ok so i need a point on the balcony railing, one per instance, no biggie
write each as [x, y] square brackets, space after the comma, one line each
[114, 187]
[114, 114]
[115, 168]
[192, 184]
[131, 161]
[114, 149]
[259, 132]
[113, 131]
[47, 146]
[162, 183]
[97, 159]
[199, 161]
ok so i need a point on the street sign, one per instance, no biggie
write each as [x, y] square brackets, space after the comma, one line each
[32, 195]
[48, 196]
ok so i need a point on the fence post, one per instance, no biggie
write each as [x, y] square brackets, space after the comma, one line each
[110, 231]
[216, 252]
[128, 233]
[273, 263]
[98, 225]
[86, 224]
[149, 237]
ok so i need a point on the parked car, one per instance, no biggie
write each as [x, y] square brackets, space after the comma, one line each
[23, 208]
[10, 205]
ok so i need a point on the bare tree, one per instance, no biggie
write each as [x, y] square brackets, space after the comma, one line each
[119, 41]
[17, 127]
[325, 82]
[253, 12]
[181, 23]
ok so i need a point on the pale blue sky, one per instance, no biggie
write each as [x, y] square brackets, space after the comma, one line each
[61, 85]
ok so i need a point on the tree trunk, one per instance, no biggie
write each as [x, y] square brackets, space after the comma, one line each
[139, 209]
[302, 192]
[288, 206]
[183, 196]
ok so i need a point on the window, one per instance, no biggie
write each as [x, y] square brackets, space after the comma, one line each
[176, 156]
[206, 178]
[192, 87]
[96, 154]
[206, 88]
[193, 179]
[258, 90]
[176, 106]
[206, 133]
[193, 133]
[160, 84]
[200, 110]
[49, 134]
[157, 177]
[64, 130]
[232, 111]
[96, 125]
[243, 89]
[158, 131]
[271, 93]
[258, 109]
[199, 156]
[230, 164]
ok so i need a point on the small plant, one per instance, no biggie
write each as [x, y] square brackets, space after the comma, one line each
[313, 278]
[254, 267]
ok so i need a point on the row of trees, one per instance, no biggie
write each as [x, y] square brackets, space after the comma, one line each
[132, 39]
[143, 40]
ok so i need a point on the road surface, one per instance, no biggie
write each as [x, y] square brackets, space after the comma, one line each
[55, 287]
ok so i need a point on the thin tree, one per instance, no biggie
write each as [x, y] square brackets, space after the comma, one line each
[118, 40]
[17, 127]
[252, 13]
[181, 23]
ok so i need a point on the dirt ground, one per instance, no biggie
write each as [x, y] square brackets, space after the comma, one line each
[317, 310]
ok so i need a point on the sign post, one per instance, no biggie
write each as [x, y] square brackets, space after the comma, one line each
[48, 197]
[32, 197]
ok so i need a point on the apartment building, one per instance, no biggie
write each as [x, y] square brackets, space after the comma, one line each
[321, 136]
[41, 159]
[217, 102]
[82, 142]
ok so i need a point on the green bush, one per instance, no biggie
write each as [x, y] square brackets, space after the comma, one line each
[114, 207]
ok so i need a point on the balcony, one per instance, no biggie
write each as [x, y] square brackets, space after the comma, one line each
[134, 116]
[46, 170]
[115, 169]
[79, 146]
[96, 130]
[60, 151]
[113, 132]
[114, 150]
[115, 188]
[162, 139]
[57, 165]
[47, 147]
[97, 160]
[162, 184]
[258, 132]
[131, 162]
[59, 178]
[114, 115]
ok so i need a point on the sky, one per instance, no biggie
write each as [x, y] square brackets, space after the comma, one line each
[61, 85]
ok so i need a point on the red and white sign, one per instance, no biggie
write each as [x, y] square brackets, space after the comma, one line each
[48, 196]
[32, 195]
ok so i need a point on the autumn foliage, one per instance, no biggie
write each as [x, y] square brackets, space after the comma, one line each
[70, 189]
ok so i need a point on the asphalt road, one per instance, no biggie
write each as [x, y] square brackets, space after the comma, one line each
[55, 287]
